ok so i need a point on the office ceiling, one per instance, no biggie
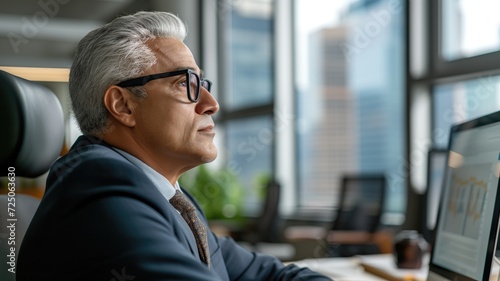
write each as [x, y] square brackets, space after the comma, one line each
[44, 33]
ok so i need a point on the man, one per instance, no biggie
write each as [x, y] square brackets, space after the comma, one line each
[109, 210]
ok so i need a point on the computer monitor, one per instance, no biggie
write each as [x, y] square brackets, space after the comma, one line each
[467, 225]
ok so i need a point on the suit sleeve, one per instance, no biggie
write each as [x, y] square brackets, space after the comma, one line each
[244, 265]
[137, 242]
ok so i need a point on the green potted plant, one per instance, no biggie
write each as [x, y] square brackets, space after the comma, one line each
[218, 192]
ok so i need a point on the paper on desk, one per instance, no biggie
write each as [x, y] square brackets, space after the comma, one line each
[340, 269]
[328, 262]
[385, 266]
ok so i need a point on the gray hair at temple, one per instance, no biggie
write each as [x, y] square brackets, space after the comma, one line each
[113, 53]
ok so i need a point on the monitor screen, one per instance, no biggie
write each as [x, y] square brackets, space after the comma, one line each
[468, 214]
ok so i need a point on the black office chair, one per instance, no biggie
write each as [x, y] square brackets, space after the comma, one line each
[265, 233]
[267, 227]
[358, 216]
[32, 128]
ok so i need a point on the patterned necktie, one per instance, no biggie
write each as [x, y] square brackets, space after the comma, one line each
[188, 212]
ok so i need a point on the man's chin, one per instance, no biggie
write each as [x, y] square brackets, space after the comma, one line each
[209, 157]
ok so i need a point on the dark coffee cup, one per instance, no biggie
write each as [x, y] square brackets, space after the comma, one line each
[409, 249]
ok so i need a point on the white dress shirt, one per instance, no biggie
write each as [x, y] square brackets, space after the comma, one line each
[161, 183]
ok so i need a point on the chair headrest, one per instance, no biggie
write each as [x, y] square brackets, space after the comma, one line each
[31, 126]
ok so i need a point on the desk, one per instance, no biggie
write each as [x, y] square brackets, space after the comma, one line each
[383, 239]
[374, 268]
[364, 268]
[384, 266]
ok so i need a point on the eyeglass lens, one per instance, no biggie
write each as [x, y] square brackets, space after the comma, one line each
[194, 84]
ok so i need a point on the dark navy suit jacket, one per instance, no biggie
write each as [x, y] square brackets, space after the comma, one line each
[101, 218]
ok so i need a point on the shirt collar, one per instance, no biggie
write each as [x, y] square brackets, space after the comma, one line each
[161, 183]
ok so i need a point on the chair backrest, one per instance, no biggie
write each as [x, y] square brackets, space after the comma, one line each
[32, 126]
[269, 222]
[361, 203]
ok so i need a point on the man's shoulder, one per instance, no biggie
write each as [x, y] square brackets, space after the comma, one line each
[86, 150]
[87, 147]
[90, 157]
[92, 171]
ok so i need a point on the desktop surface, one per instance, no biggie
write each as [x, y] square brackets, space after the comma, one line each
[372, 268]
[365, 268]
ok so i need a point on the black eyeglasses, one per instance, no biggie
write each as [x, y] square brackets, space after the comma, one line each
[193, 82]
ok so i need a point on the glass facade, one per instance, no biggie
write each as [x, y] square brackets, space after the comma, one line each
[470, 28]
[349, 89]
[248, 28]
[350, 96]
[247, 56]
[250, 150]
[461, 101]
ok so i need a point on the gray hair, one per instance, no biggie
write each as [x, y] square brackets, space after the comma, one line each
[113, 53]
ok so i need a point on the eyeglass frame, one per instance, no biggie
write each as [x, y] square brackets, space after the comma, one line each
[142, 80]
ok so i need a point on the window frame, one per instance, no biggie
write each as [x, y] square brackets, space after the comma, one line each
[436, 71]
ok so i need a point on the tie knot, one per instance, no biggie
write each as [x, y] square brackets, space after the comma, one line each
[181, 203]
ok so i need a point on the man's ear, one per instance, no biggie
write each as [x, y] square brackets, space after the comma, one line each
[120, 104]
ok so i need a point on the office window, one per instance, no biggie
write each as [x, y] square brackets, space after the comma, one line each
[250, 156]
[460, 101]
[350, 99]
[470, 28]
[246, 97]
[454, 47]
[247, 52]
[464, 74]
